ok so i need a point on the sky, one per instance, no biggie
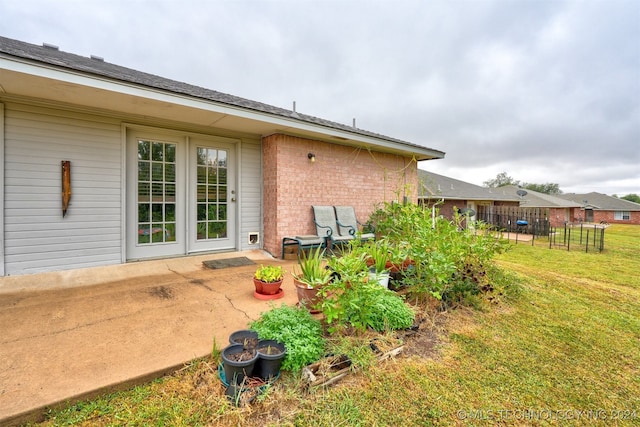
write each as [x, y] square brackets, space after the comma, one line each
[547, 91]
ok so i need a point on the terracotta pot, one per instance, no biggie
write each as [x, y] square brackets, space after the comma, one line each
[267, 288]
[307, 297]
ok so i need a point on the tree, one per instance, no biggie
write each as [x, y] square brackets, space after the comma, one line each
[632, 197]
[547, 188]
[500, 180]
[503, 179]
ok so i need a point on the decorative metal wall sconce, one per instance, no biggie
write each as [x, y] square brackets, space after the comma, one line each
[311, 157]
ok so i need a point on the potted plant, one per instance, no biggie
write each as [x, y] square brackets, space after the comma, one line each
[238, 361]
[311, 277]
[399, 259]
[268, 280]
[271, 354]
[378, 261]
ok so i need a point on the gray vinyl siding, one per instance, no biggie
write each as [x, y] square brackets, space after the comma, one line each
[37, 237]
[251, 193]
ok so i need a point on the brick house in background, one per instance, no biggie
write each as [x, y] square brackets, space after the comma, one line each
[598, 207]
[160, 168]
[502, 206]
[450, 194]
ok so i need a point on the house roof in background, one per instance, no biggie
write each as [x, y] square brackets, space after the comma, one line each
[599, 201]
[434, 186]
[97, 67]
[533, 199]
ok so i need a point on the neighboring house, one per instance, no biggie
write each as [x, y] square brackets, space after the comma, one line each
[502, 206]
[598, 207]
[160, 168]
[450, 194]
[552, 208]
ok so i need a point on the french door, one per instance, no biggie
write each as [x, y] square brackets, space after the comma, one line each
[180, 195]
[212, 213]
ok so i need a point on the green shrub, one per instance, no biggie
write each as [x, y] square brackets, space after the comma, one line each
[351, 299]
[450, 259]
[297, 330]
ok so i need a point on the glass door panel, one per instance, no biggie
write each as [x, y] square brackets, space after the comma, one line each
[156, 197]
[156, 194]
[211, 221]
[212, 214]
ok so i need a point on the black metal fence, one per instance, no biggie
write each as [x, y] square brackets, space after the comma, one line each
[515, 221]
[587, 237]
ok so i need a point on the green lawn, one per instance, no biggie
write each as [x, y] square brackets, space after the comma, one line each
[565, 351]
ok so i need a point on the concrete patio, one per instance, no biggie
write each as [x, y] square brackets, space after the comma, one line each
[75, 334]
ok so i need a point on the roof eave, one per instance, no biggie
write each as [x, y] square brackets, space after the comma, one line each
[265, 122]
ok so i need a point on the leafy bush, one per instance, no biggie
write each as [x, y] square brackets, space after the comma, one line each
[297, 330]
[450, 259]
[351, 299]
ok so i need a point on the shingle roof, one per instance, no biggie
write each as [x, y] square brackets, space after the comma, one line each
[599, 201]
[98, 67]
[433, 185]
[533, 199]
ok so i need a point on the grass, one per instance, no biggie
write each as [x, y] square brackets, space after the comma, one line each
[565, 351]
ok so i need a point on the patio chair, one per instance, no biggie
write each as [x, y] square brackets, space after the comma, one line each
[325, 219]
[348, 224]
[303, 242]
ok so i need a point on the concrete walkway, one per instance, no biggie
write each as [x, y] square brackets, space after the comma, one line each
[72, 335]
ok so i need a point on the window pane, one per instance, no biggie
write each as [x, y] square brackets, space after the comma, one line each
[202, 231]
[202, 175]
[170, 212]
[170, 172]
[212, 176]
[222, 176]
[222, 193]
[202, 212]
[157, 154]
[156, 172]
[212, 156]
[144, 190]
[212, 212]
[144, 213]
[143, 171]
[217, 230]
[212, 193]
[202, 193]
[170, 193]
[222, 159]
[157, 233]
[156, 192]
[170, 153]
[170, 232]
[156, 212]
[143, 150]
[143, 233]
[201, 155]
[222, 212]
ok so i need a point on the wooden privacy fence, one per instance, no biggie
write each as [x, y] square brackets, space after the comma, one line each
[513, 219]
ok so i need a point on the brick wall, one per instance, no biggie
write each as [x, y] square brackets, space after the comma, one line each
[340, 175]
[608, 216]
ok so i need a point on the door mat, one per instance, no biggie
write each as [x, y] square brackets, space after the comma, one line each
[217, 264]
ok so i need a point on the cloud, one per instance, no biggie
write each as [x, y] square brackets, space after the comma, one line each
[548, 91]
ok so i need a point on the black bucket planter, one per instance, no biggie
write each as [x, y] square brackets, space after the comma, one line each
[235, 371]
[239, 337]
[267, 366]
